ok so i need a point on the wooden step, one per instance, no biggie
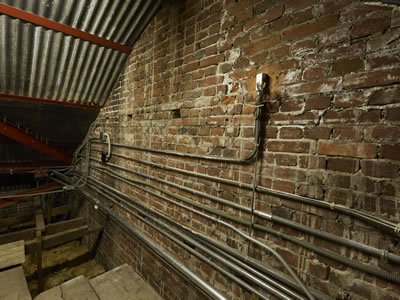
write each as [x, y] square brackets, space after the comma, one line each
[122, 283]
[74, 289]
[13, 285]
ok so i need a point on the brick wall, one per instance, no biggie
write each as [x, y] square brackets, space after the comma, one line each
[332, 130]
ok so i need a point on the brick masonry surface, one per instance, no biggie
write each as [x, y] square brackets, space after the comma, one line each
[331, 133]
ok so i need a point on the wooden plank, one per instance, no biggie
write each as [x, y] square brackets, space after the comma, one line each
[27, 234]
[122, 283]
[13, 285]
[12, 254]
[64, 236]
[39, 260]
[39, 219]
[16, 220]
[64, 225]
[59, 238]
[78, 288]
[52, 294]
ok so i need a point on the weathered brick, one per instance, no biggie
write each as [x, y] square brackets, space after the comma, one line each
[379, 169]
[342, 165]
[370, 26]
[317, 132]
[346, 149]
[346, 66]
[319, 270]
[349, 99]
[321, 86]
[318, 102]
[390, 152]
[262, 45]
[290, 133]
[372, 78]
[393, 114]
[286, 146]
[311, 28]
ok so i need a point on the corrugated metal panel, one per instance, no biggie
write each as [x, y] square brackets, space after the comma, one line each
[42, 63]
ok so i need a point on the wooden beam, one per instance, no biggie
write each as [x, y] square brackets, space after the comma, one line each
[60, 210]
[39, 219]
[28, 234]
[12, 254]
[16, 220]
[64, 225]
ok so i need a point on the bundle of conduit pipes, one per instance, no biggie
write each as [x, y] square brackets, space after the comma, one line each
[246, 272]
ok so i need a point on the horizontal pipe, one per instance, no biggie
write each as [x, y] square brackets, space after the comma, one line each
[326, 253]
[234, 229]
[387, 226]
[324, 235]
[159, 251]
[192, 243]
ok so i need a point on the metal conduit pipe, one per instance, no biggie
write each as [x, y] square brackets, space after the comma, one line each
[257, 129]
[326, 253]
[393, 258]
[197, 245]
[245, 236]
[387, 226]
[229, 252]
[244, 259]
[203, 286]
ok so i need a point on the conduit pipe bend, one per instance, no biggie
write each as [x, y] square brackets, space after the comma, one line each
[325, 235]
[239, 232]
[326, 253]
[159, 251]
[385, 225]
[190, 243]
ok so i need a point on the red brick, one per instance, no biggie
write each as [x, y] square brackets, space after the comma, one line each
[372, 78]
[286, 160]
[379, 169]
[393, 114]
[317, 133]
[284, 119]
[321, 86]
[346, 149]
[310, 28]
[386, 96]
[315, 72]
[385, 133]
[349, 99]
[262, 45]
[290, 133]
[318, 102]
[212, 60]
[342, 165]
[289, 174]
[339, 117]
[347, 133]
[388, 206]
[370, 116]
[281, 23]
[346, 66]
[283, 186]
[319, 270]
[302, 16]
[370, 26]
[286, 146]
[390, 152]
[269, 16]
[292, 105]
[383, 59]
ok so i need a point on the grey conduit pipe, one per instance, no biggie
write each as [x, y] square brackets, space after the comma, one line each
[387, 226]
[204, 259]
[245, 236]
[246, 260]
[159, 251]
[333, 238]
[326, 253]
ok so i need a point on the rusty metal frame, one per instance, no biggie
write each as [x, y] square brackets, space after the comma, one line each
[44, 22]
[24, 137]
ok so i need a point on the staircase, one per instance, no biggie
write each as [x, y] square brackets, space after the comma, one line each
[119, 283]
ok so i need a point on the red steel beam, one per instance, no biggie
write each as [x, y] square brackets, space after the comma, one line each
[9, 167]
[46, 101]
[10, 130]
[43, 188]
[44, 22]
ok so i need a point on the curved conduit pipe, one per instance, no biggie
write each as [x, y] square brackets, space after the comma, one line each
[387, 226]
[393, 258]
[245, 236]
[326, 253]
[203, 286]
[193, 243]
